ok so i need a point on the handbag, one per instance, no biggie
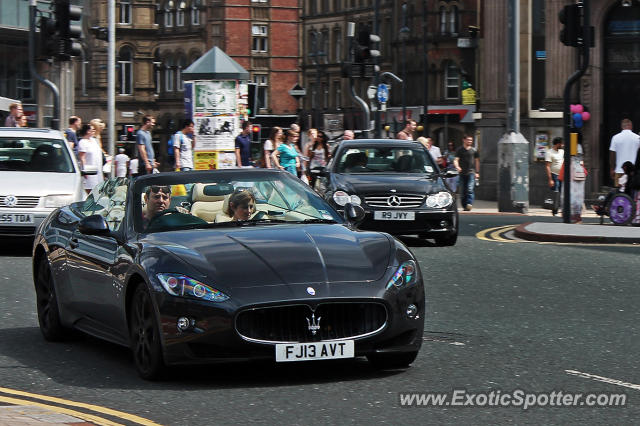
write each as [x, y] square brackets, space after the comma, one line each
[552, 202]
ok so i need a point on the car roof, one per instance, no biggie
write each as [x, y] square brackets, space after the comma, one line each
[28, 132]
[382, 142]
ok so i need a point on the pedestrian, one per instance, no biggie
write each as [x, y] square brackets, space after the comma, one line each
[286, 156]
[578, 175]
[407, 132]
[318, 154]
[449, 155]
[295, 127]
[75, 123]
[347, 135]
[270, 145]
[89, 156]
[22, 121]
[183, 146]
[467, 163]
[624, 147]
[122, 163]
[99, 126]
[147, 157]
[303, 151]
[434, 150]
[12, 118]
[554, 158]
[243, 146]
[133, 168]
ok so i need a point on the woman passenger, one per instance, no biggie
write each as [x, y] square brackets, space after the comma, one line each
[241, 205]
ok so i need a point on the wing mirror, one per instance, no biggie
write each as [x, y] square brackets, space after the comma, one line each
[89, 171]
[353, 214]
[94, 225]
[319, 171]
[450, 173]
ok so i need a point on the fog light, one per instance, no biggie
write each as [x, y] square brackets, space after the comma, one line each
[444, 224]
[412, 311]
[184, 323]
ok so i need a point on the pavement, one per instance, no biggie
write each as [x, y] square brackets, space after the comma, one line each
[589, 232]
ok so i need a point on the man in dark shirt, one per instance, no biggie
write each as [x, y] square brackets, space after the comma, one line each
[243, 146]
[74, 124]
[467, 163]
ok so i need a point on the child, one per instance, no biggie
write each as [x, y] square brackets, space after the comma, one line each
[625, 179]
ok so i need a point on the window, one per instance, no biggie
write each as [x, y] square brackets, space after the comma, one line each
[108, 199]
[337, 91]
[168, 16]
[443, 20]
[169, 74]
[125, 74]
[125, 11]
[452, 81]
[325, 6]
[325, 95]
[182, 62]
[157, 73]
[24, 88]
[262, 86]
[180, 17]
[337, 45]
[259, 33]
[313, 43]
[325, 46]
[453, 20]
[336, 6]
[195, 14]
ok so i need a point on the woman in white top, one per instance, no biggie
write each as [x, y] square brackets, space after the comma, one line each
[90, 156]
[318, 153]
[271, 144]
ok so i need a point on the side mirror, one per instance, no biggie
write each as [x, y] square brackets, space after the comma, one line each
[353, 214]
[450, 173]
[94, 225]
[89, 171]
[319, 171]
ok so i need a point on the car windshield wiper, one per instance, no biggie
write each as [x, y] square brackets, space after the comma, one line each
[316, 220]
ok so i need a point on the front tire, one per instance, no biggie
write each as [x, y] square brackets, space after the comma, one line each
[145, 336]
[47, 304]
[449, 240]
[391, 361]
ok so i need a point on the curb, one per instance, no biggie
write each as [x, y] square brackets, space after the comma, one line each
[522, 232]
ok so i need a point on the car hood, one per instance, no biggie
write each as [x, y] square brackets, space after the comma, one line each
[38, 183]
[402, 183]
[279, 254]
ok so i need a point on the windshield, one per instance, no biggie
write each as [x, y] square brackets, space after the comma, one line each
[385, 160]
[34, 155]
[222, 199]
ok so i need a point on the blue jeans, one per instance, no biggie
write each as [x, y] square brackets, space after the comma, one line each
[467, 186]
[556, 182]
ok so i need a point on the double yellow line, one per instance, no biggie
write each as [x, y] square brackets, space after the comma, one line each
[495, 234]
[74, 413]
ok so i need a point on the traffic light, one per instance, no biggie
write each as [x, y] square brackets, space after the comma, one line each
[366, 48]
[48, 44]
[571, 33]
[252, 98]
[69, 32]
[255, 132]
[130, 132]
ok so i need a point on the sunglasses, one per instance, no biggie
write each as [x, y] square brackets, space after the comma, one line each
[157, 188]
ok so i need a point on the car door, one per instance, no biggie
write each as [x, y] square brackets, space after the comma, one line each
[93, 258]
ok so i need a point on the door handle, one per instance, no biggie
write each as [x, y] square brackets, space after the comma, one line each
[74, 243]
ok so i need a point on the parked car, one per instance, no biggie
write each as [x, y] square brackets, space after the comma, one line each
[398, 184]
[164, 264]
[38, 173]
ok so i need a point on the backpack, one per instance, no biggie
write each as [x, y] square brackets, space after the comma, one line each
[170, 144]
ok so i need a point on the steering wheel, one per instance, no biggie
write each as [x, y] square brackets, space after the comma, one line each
[259, 215]
[161, 214]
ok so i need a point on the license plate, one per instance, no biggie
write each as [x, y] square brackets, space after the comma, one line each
[287, 352]
[16, 218]
[394, 215]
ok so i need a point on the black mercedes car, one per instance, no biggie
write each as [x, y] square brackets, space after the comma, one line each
[397, 183]
[205, 266]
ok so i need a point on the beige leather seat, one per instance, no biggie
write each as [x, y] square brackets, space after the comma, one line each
[206, 207]
[222, 216]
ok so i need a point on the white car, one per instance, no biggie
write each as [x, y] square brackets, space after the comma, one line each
[38, 173]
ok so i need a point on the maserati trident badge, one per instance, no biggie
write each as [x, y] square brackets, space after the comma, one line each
[311, 291]
[314, 325]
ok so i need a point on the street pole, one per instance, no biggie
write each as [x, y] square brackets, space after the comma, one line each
[55, 120]
[111, 82]
[404, 33]
[376, 68]
[425, 70]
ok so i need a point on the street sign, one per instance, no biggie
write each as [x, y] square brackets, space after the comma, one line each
[383, 93]
[297, 91]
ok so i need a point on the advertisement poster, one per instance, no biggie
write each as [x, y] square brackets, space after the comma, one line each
[226, 160]
[216, 132]
[203, 160]
[542, 144]
[215, 97]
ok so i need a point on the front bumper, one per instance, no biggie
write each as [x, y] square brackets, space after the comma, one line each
[9, 227]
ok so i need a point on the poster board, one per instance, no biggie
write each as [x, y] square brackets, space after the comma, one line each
[541, 145]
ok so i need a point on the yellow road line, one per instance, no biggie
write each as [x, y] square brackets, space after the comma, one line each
[482, 235]
[73, 413]
[98, 409]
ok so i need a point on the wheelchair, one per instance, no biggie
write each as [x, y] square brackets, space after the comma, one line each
[619, 206]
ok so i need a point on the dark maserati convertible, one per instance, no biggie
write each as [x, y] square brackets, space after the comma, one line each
[198, 267]
[397, 183]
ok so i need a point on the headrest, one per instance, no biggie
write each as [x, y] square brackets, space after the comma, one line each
[210, 191]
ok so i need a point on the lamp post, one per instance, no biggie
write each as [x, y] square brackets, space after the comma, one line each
[425, 69]
[404, 35]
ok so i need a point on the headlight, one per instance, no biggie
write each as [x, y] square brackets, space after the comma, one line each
[439, 200]
[181, 285]
[355, 200]
[341, 198]
[57, 200]
[404, 276]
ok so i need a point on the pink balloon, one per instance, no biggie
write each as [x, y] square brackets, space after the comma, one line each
[586, 116]
[572, 108]
[579, 108]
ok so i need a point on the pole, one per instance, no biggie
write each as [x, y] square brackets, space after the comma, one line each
[376, 68]
[586, 43]
[404, 32]
[513, 61]
[425, 70]
[111, 82]
[55, 121]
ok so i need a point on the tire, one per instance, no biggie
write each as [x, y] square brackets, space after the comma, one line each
[449, 240]
[621, 209]
[390, 361]
[47, 304]
[145, 336]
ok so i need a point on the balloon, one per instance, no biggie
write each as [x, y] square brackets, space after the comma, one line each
[572, 108]
[579, 108]
[578, 121]
[586, 116]
[577, 117]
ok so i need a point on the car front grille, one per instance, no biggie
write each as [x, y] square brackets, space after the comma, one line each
[22, 202]
[392, 201]
[17, 230]
[293, 323]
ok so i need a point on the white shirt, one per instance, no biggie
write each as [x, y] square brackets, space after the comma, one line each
[556, 158]
[625, 144]
[121, 165]
[435, 153]
[184, 144]
[93, 159]
[133, 166]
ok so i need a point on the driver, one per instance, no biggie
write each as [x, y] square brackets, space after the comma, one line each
[156, 199]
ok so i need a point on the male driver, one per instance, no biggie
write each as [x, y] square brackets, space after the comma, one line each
[75, 123]
[624, 147]
[243, 146]
[407, 132]
[183, 146]
[467, 162]
[145, 149]
[156, 199]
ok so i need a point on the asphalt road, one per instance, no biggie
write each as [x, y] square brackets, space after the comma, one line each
[501, 317]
